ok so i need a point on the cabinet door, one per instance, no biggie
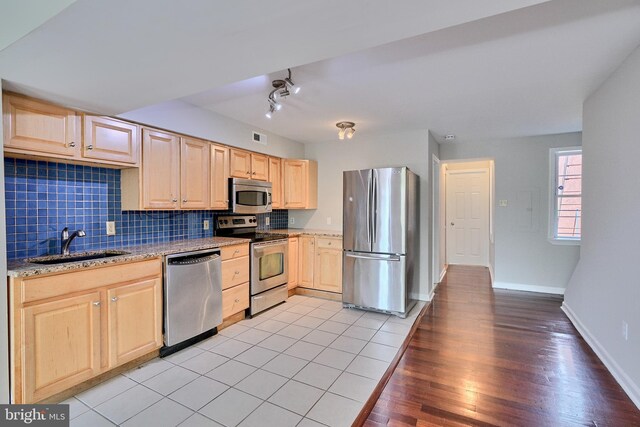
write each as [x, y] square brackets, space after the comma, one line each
[306, 262]
[40, 128]
[293, 263]
[239, 163]
[295, 173]
[110, 139]
[219, 177]
[275, 177]
[135, 320]
[328, 270]
[259, 167]
[160, 170]
[195, 163]
[62, 345]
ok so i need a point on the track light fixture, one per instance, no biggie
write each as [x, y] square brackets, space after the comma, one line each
[346, 129]
[281, 89]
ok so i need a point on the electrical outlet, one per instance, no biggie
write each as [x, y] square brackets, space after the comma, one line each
[625, 330]
[503, 203]
[328, 220]
[111, 228]
[292, 220]
[205, 224]
[267, 221]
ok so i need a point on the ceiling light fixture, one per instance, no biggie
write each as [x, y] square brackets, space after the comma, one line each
[281, 89]
[346, 128]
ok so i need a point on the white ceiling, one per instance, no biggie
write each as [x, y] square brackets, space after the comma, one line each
[477, 69]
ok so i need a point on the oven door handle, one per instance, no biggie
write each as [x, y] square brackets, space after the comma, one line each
[270, 243]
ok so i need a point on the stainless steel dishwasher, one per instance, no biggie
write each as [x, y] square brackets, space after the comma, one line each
[192, 298]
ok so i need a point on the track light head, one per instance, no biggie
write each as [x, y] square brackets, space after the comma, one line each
[346, 128]
[281, 89]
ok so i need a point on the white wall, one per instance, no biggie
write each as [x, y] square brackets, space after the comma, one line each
[409, 148]
[524, 258]
[605, 288]
[181, 117]
[4, 308]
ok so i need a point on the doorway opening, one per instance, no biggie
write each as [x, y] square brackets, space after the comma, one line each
[464, 200]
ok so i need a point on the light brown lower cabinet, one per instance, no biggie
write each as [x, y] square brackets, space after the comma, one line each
[235, 279]
[320, 263]
[70, 327]
[293, 263]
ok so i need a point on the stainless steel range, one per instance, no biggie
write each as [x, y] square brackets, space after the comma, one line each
[268, 256]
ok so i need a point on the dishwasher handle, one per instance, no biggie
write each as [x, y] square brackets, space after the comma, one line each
[192, 259]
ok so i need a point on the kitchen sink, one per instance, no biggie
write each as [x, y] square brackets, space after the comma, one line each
[85, 256]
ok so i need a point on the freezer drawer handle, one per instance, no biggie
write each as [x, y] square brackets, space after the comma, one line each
[378, 257]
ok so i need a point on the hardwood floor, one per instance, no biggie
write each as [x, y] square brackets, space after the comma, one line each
[493, 357]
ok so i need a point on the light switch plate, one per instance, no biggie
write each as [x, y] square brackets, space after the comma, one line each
[328, 220]
[205, 224]
[111, 228]
[267, 221]
[503, 203]
[292, 220]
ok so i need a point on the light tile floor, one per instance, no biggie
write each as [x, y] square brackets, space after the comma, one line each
[307, 362]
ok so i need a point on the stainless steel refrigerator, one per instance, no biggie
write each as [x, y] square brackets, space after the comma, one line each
[381, 237]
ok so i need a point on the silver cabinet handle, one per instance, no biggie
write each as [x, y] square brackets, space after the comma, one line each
[237, 251]
[89, 147]
[114, 299]
[236, 272]
[452, 223]
[97, 303]
[174, 200]
[72, 144]
[184, 200]
[329, 243]
[237, 300]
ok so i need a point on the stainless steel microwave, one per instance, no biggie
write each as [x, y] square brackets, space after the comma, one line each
[249, 196]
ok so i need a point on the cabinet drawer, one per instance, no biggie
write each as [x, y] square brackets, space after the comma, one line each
[235, 300]
[235, 271]
[329, 242]
[48, 286]
[235, 251]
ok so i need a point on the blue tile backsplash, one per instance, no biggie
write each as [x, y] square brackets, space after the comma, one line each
[44, 197]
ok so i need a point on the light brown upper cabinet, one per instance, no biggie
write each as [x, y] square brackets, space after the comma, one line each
[110, 140]
[275, 178]
[160, 169]
[259, 167]
[247, 165]
[300, 184]
[195, 183]
[219, 177]
[40, 129]
[156, 184]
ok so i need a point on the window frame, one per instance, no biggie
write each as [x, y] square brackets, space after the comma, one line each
[553, 199]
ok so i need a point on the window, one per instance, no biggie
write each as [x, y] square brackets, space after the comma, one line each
[565, 222]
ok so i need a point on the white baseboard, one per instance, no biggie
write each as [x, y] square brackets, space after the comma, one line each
[631, 388]
[420, 297]
[442, 274]
[528, 288]
[491, 273]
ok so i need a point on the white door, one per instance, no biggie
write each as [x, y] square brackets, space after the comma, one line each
[468, 217]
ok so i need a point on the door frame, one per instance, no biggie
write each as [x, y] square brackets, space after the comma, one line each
[435, 222]
[491, 171]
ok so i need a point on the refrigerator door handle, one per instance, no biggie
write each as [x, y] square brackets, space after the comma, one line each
[369, 197]
[373, 257]
[374, 206]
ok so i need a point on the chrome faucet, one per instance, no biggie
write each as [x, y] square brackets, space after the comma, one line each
[66, 239]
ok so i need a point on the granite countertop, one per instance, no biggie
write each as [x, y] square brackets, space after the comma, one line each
[294, 232]
[23, 268]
